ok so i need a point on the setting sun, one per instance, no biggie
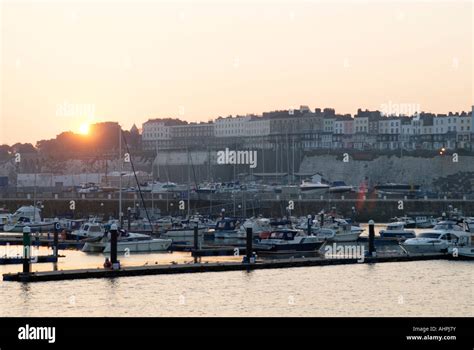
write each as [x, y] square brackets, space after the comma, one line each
[84, 129]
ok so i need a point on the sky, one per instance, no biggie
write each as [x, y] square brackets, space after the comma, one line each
[64, 65]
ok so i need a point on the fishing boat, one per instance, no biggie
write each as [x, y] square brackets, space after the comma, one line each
[289, 240]
[127, 242]
[397, 230]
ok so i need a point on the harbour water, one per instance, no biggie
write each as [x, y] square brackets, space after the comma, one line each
[420, 288]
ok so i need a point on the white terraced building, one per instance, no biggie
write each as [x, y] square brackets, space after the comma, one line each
[241, 126]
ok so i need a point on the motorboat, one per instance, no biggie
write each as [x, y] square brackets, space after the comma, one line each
[397, 230]
[260, 227]
[229, 228]
[27, 216]
[127, 242]
[397, 188]
[444, 235]
[207, 188]
[4, 215]
[464, 247]
[425, 222]
[339, 230]
[409, 221]
[184, 233]
[159, 187]
[289, 240]
[313, 187]
[88, 187]
[430, 242]
[340, 187]
[89, 230]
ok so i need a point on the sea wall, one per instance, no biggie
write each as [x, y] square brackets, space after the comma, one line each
[406, 169]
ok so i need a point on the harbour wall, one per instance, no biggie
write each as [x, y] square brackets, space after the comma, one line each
[379, 210]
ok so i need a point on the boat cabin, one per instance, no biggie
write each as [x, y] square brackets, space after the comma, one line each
[286, 235]
[227, 224]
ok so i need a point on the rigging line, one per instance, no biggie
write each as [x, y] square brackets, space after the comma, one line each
[194, 175]
[136, 179]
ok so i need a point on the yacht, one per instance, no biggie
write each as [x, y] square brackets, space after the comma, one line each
[444, 235]
[127, 242]
[27, 216]
[289, 240]
[397, 230]
[430, 242]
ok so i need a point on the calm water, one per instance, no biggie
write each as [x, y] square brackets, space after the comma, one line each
[424, 288]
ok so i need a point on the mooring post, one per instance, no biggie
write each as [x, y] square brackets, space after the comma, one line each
[57, 227]
[129, 216]
[26, 249]
[196, 244]
[321, 219]
[371, 238]
[310, 219]
[196, 237]
[113, 244]
[249, 247]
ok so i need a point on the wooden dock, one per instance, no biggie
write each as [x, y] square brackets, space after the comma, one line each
[42, 242]
[207, 267]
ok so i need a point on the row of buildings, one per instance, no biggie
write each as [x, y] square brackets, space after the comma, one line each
[315, 129]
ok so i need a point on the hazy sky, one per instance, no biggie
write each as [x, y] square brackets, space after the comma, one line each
[64, 64]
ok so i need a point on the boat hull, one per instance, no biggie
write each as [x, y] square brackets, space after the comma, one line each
[345, 237]
[230, 234]
[425, 248]
[290, 247]
[396, 235]
[182, 234]
[152, 245]
[18, 228]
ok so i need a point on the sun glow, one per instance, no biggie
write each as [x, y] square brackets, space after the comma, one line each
[84, 129]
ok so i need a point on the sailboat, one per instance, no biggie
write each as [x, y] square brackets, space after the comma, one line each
[127, 241]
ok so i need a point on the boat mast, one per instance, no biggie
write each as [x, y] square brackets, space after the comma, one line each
[120, 175]
[189, 179]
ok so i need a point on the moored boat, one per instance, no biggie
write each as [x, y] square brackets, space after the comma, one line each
[288, 240]
[397, 230]
[127, 242]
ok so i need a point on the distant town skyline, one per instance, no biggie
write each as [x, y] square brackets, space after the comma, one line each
[62, 69]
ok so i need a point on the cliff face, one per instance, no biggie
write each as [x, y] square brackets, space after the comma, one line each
[412, 170]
